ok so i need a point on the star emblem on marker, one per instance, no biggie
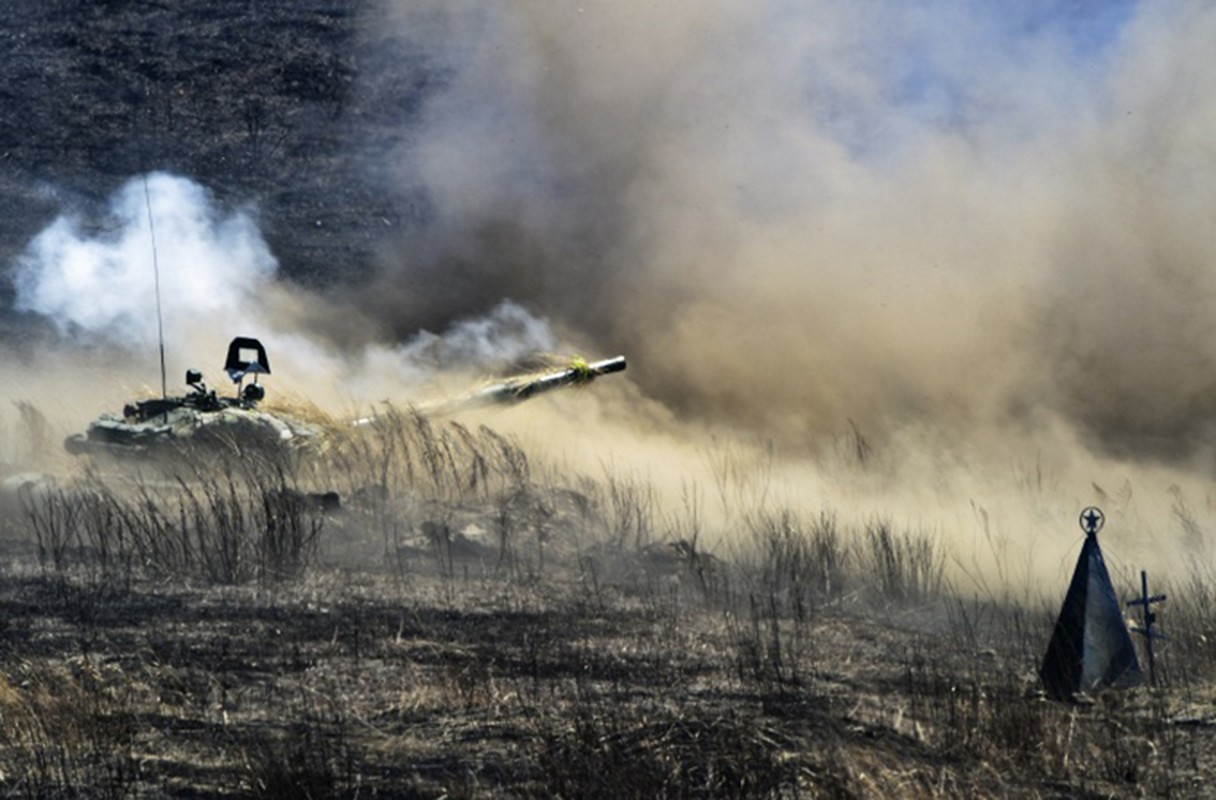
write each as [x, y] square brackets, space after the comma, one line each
[1092, 520]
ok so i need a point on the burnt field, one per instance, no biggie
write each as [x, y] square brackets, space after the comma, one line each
[280, 105]
[470, 625]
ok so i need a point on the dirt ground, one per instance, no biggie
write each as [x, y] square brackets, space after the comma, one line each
[457, 673]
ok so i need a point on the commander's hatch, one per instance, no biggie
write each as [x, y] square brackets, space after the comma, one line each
[247, 356]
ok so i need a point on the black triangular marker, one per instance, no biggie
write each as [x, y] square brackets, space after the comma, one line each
[1090, 647]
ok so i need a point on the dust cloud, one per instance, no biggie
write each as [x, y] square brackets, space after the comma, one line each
[793, 215]
[944, 263]
[977, 239]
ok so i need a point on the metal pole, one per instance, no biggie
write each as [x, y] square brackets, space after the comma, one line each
[1145, 601]
[1148, 628]
[160, 324]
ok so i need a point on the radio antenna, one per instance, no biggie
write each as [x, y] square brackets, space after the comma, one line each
[160, 323]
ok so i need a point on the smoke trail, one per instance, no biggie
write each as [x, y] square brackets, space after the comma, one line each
[945, 216]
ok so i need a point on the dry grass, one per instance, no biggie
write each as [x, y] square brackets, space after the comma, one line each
[470, 626]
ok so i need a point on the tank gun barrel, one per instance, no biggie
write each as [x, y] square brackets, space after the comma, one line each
[521, 387]
[148, 423]
[518, 389]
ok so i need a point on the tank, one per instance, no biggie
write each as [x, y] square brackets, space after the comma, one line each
[146, 425]
[202, 415]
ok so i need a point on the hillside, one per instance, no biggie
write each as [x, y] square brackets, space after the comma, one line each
[281, 104]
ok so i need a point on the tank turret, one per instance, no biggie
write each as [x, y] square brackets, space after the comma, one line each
[144, 425]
